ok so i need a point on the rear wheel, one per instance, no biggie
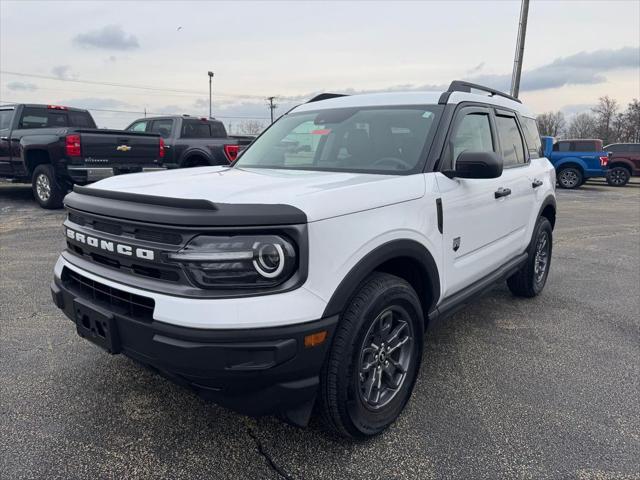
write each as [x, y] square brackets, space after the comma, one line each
[45, 186]
[618, 176]
[532, 277]
[570, 177]
[374, 359]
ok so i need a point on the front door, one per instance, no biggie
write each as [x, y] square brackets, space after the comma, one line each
[481, 225]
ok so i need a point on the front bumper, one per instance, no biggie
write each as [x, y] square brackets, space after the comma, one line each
[253, 371]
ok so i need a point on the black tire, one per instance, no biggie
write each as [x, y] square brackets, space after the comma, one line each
[529, 280]
[384, 304]
[618, 176]
[46, 188]
[570, 177]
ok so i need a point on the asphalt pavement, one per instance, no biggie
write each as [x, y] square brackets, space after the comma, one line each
[509, 388]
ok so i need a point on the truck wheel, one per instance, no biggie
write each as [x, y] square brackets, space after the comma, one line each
[46, 188]
[531, 278]
[618, 176]
[372, 366]
[570, 177]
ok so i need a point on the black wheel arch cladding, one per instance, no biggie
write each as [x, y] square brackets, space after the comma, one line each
[394, 250]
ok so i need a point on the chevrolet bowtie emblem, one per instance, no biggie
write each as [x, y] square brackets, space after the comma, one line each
[123, 148]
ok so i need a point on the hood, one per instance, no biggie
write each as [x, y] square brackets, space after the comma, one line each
[320, 195]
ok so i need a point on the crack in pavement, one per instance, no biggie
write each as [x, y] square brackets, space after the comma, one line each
[270, 461]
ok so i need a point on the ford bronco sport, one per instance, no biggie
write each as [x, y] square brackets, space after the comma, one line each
[306, 272]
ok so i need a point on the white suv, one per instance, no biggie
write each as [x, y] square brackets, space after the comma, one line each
[307, 271]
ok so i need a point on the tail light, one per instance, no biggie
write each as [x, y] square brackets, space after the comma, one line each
[161, 152]
[56, 107]
[73, 146]
[604, 161]
[231, 151]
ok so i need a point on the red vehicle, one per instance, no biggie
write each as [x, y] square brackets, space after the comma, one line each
[624, 161]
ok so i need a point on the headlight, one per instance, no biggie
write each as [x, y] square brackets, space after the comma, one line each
[243, 261]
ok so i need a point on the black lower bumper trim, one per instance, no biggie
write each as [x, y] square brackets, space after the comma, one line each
[253, 371]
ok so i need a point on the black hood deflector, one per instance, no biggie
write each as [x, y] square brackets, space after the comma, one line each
[180, 211]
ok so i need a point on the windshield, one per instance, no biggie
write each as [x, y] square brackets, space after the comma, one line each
[388, 140]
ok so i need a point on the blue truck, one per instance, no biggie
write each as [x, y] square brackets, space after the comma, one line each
[576, 160]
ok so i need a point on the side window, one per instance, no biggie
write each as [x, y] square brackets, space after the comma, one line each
[218, 130]
[510, 141]
[191, 129]
[532, 136]
[163, 127]
[138, 127]
[583, 146]
[473, 134]
[5, 118]
[562, 147]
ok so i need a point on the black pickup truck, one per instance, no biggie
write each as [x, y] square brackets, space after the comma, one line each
[54, 147]
[192, 141]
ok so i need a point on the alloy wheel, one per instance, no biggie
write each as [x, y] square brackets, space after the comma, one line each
[385, 356]
[618, 176]
[568, 178]
[542, 257]
[43, 187]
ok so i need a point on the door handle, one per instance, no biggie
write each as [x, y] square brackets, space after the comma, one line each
[537, 183]
[502, 192]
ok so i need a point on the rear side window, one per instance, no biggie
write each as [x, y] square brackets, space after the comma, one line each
[510, 141]
[218, 130]
[583, 146]
[43, 118]
[81, 119]
[5, 118]
[532, 137]
[473, 134]
[163, 127]
[195, 129]
[138, 126]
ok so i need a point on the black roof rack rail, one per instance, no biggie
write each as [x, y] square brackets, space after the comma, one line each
[462, 86]
[326, 96]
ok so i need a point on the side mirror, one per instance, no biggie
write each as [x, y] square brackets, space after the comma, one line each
[477, 165]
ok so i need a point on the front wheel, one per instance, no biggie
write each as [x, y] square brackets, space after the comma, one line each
[45, 186]
[532, 277]
[570, 177]
[618, 176]
[374, 360]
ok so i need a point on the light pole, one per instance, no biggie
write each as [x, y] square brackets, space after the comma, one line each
[517, 63]
[210, 81]
[272, 106]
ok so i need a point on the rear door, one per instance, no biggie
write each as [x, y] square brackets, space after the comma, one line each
[480, 231]
[164, 128]
[6, 117]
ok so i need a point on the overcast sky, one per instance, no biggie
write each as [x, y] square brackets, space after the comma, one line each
[575, 52]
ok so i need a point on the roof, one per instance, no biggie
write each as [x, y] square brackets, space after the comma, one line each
[411, 98]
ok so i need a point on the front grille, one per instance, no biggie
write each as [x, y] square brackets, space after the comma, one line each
[113, 299]
[133, 231]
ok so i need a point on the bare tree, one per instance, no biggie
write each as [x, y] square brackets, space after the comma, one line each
[250, 127]
[605, 115]
[582, 125]
[551, 124]
[631, 132]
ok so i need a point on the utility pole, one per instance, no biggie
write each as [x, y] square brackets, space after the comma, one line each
[517, 63]
[210, 81]
[272, 106]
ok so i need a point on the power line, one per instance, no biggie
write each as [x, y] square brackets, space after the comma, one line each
[124, 85]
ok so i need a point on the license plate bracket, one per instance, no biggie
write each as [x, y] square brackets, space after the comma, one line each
[97, 325]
